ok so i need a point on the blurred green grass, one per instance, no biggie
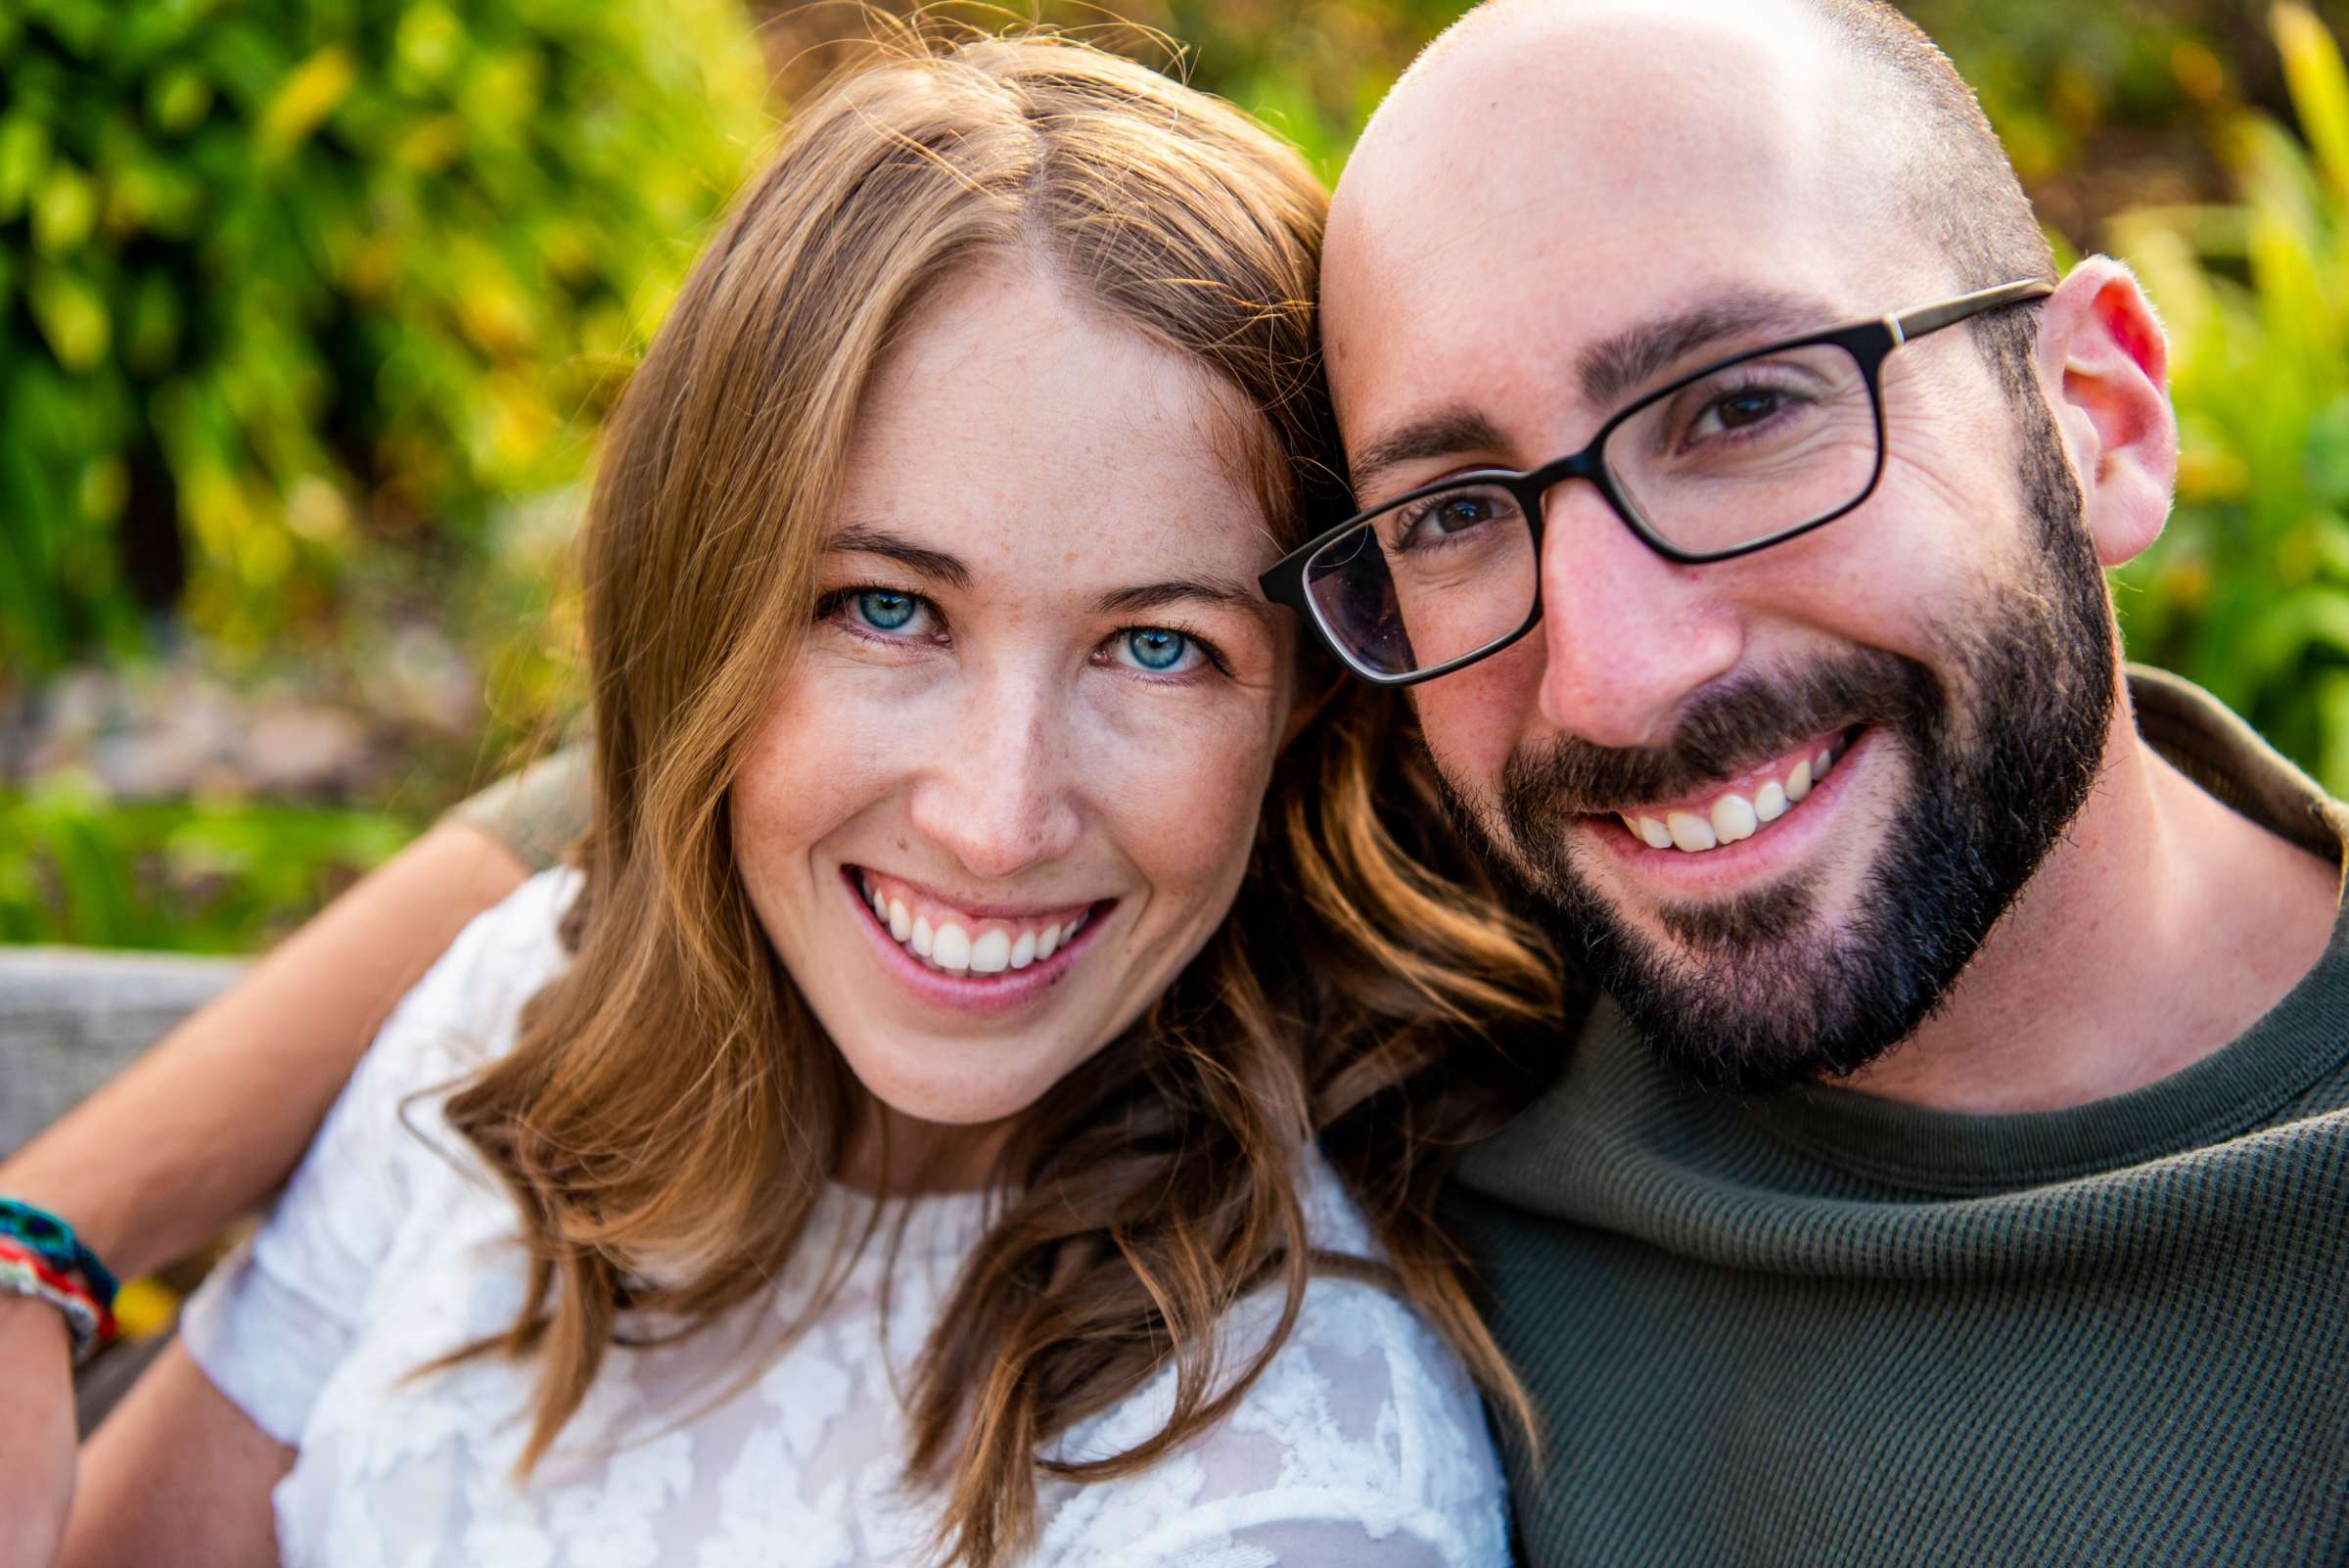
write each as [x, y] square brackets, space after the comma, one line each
[309, 309]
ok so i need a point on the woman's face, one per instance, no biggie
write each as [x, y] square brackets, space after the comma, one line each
[1011, 785]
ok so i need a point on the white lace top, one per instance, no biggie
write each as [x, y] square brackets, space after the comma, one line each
[1362, 1446]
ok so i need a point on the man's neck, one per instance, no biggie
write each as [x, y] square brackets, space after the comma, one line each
[2158, 929]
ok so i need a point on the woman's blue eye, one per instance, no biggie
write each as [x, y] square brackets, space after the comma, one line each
[1157, 649]
[884, 610]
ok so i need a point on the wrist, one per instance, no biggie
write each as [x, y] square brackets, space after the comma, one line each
[42, 1258]
[79, 1198]
[27, 1321]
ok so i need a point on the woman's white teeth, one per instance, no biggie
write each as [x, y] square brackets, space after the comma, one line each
[993, 950]
[950, 944]
[1732, 817]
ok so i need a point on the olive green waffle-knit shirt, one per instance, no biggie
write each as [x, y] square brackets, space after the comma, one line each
[1830, 1329]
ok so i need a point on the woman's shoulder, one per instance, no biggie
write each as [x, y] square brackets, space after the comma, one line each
[1364, 1440]
[461, 1014]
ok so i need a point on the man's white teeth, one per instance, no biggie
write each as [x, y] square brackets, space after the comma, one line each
[1732, 818]
[1690, 833]
[953, 949]
[924, 940]
[1022, 951]
[1652, 832]
[900, 924]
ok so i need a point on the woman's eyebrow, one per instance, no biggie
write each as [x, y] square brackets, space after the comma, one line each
[866, 539]
[1158, 595]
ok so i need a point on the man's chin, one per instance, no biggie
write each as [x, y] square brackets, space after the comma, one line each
[1755, 1002]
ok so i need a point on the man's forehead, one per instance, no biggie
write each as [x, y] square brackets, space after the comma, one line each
[1538, 190]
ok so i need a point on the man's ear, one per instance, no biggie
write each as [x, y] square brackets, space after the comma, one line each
[2105, 366]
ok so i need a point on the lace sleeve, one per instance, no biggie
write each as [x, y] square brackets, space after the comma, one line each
[1362, 1446]
[275, 1321]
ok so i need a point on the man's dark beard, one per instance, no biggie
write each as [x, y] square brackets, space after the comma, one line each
[2002, 749]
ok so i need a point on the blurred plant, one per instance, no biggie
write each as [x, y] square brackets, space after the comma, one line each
[2247, 593]
[289, 284]
[2055, 79]
[198, 877]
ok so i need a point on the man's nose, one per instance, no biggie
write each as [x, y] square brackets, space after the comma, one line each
[1628, 636]
[998, 794]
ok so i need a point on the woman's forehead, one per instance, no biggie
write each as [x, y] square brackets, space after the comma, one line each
[1014, 427]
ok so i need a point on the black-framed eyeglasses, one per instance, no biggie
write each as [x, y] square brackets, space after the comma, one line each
[1755, 451]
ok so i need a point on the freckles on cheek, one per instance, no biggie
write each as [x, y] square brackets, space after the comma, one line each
[1473, 718]
[814, 762]
[1181, 799]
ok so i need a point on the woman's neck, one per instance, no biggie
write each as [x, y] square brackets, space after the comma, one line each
[900, 1155]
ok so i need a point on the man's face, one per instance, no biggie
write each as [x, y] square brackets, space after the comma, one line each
[1647, 196]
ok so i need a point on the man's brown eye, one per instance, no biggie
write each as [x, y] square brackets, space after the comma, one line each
[1747, 408]
[1463, 512]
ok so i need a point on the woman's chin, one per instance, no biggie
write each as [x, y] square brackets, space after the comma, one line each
[960, 1085]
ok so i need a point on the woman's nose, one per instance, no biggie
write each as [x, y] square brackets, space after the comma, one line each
[998, 795]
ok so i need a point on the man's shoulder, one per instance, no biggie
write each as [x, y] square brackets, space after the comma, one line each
[2218, 749]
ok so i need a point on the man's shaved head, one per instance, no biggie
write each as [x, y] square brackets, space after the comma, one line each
[1956, 178]
[1914, 145]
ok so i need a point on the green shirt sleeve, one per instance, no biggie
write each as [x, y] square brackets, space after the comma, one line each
[537, 812]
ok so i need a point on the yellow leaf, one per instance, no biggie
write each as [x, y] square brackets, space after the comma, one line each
[62, 211]
[2319, 84]
[307, 97]
[71, 317]
[144, 1308]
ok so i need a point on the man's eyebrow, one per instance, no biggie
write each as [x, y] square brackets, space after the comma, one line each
[1610, 371]
[1158, 595]
[867, 540]
[1615, 368]
[1446, 433]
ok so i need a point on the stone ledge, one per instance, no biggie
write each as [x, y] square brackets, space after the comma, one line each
[70, 1018]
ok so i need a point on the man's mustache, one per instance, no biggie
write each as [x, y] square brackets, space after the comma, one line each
[1723, 730]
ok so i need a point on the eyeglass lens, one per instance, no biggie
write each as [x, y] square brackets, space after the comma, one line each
[1749, 450]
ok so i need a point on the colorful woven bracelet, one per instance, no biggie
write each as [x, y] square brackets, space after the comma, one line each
[54, 1239]
[25, 1272]
[81, 1319]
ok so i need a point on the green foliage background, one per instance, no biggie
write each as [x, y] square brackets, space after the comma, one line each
[301, 302]
[282, 279]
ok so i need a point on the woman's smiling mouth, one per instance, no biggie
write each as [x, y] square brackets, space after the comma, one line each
[950, 940]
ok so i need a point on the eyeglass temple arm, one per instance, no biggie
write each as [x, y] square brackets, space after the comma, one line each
[1934, 317]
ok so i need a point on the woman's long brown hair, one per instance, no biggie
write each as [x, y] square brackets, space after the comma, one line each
[672, 1111]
